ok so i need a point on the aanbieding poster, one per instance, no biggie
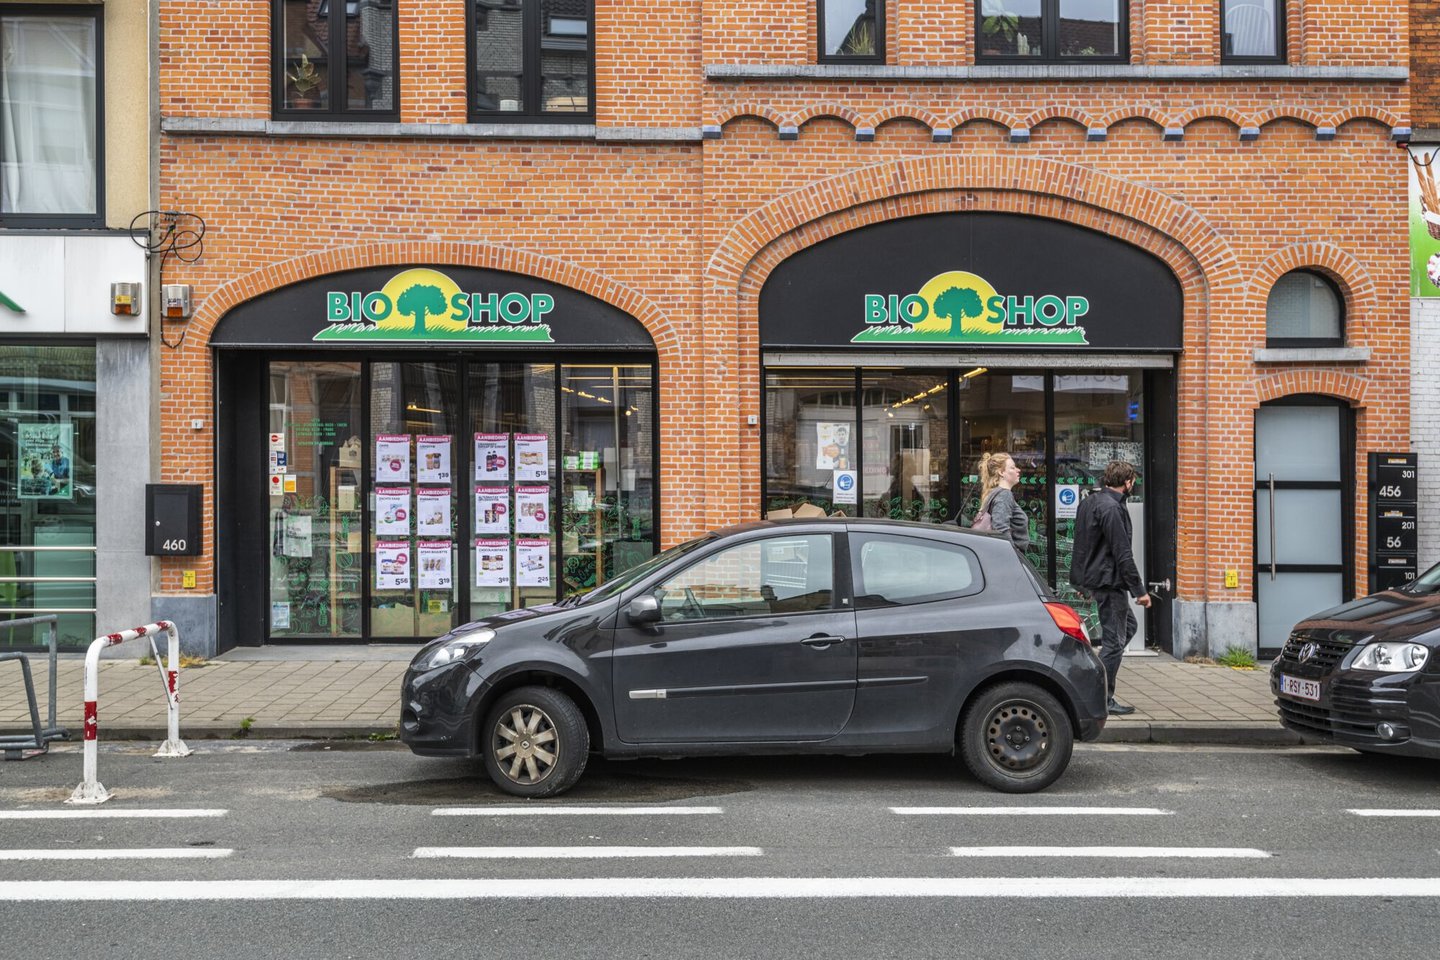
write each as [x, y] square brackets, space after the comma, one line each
[43, 457]
[492, 456]
[432, 512]
[434, 560]
[492, 563]
[392, 458]
[492, 509]
[432, 459]
[532, 563]
[392, 565]
[392, 511]
[532, 456]
[532, 509]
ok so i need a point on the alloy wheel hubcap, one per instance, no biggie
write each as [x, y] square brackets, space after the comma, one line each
[524, 744]
[1017, 737]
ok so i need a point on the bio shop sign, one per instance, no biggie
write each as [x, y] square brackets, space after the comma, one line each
[421, 304]
[961, 307]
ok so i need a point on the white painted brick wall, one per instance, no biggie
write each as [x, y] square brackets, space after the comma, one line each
[1425, 420]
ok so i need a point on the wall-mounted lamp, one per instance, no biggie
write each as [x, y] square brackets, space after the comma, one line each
[175, 301]
[125, 299]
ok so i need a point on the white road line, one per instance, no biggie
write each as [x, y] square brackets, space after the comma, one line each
[153, 853]
[108, 813]
[1031, 811]
[1395, 813]
[728, 888]
[539, 811]
[1241, 853]
[580, 853]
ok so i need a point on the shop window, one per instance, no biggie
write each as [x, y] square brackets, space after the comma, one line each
[530, 59]
[47, 492]
[51, 124]
[1304, 310]
[336, 60]
[810, 436]
[905, 437]
[1053, 31]
[851, 31]
[1252, 31]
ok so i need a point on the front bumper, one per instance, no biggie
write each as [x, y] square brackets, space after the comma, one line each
[436, 710]
[1384, 713]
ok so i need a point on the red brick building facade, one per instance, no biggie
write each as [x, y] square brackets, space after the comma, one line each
[720, 146]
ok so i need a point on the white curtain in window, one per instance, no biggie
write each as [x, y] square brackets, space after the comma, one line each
[47, 115]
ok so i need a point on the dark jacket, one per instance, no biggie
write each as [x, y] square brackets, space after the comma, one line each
[1102, 559]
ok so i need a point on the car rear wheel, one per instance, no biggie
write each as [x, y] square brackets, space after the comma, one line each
[536, 742]
[1016, 738]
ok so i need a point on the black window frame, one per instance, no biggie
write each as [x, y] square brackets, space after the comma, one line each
[335, 67]
[877, 57]
[1293, 342]
[1050, 39]
[868, 601]
[531, 83]
[1281, 39]
[69, 221]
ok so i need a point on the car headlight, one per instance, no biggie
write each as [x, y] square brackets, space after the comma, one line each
[1392, 657]
[456, 648]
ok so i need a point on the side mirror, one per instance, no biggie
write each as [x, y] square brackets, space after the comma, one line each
[644, 609]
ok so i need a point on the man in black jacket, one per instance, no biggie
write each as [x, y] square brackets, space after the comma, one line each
[1103, 567]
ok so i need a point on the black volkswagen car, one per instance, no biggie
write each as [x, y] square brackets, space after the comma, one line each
[1366, 674]
[824, 636]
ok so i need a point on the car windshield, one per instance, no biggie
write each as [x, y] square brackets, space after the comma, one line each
[1425, 584]
[635, 574]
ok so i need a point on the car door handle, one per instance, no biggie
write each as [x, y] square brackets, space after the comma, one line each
[822, 640]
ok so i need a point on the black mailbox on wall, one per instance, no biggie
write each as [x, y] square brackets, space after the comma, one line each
[172, 520]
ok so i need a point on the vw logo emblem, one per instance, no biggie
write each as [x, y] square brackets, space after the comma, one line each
[1308, 651]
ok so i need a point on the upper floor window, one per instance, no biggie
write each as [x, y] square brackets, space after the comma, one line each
[51, 126]
[1253, 31]
[530, 59]
[1039, 31]
[851, 31]
[336, 60]
[1304, 310]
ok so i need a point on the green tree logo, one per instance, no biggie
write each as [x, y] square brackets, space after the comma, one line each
[419, 300]
[957, 303]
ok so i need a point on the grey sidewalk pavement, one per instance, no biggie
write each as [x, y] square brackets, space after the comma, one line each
[336, 692]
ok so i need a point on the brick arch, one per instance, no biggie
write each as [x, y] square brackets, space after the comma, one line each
[750, 110]
[1329, 383]
[1004, 118]
[1210, 111]
[1357, 289]
[906, 112]
[1135, 113]
[484, 255]
[1303, 114]
[1074, 114]
[839, 111]
[1366, 113]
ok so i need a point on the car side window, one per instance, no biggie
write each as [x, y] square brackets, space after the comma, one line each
[892, 570]
[756, 578]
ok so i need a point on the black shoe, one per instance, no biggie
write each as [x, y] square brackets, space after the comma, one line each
[1118, 709]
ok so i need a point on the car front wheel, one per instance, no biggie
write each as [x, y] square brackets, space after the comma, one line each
[1016, 738]
[536, 742]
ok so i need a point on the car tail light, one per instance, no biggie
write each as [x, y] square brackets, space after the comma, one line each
[1068, 621]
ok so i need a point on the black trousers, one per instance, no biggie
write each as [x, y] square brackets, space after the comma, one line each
[1117, 626]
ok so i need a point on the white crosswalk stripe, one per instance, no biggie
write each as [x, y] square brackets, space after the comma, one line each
[580, 853]
[1235, 853]
[107, 813]
[1031, 812]
[137, 853]
[1398, 812]
[558, 811]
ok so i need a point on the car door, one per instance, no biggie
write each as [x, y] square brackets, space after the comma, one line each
[755, 642]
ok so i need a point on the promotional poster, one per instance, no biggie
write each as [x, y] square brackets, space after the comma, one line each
[432, 512]
[45, 461]
[432, 458]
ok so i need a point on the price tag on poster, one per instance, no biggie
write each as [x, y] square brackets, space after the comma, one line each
[432, 459]
[532, 509]
[492, 509]
[492, 456]
[432, 511]
[434, 560]
[532, 563]
[532, 456]
[392, 565]
[492, 563]
[392, 458]
[392, 511]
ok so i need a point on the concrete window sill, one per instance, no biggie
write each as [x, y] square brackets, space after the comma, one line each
[1312, 354]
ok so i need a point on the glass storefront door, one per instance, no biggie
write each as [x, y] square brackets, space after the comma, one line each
[407, 496]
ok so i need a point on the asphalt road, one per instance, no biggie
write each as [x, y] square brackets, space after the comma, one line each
[362, 850]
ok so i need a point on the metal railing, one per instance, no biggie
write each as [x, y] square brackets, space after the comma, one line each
[39, 611]
[38, 741]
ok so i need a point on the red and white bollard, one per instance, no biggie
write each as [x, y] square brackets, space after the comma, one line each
[90, 789]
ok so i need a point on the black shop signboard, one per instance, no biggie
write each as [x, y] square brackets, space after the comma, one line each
[972, 280]
[1394, 528]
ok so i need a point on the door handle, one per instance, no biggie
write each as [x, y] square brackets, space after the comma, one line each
[1272, 527]
[822, 640]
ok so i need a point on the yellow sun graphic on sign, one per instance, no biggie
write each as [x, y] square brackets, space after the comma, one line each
[413, 291]
[947, 307]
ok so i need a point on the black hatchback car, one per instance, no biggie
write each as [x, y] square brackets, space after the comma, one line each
[1366, 674]
[825, 636]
